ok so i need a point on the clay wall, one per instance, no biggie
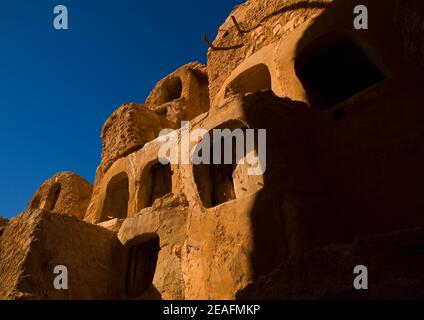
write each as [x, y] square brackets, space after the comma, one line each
[65, 193]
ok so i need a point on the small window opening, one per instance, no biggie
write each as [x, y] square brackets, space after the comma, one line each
[117, 197]
[173, 89]
[160, 182]
[218, 183]
[53, 197]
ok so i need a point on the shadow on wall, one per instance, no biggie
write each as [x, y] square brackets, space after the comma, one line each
[220, 183]
[363, 181]
[332, 69]
[285, 210]
[354, 76]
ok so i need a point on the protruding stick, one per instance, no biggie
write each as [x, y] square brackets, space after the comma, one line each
[210, 44]
[237, 25]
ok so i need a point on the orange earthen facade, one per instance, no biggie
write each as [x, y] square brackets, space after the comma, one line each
[343, 183]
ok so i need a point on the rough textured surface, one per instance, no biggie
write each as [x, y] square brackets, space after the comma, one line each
[325, 174]
[264, 22]
[127, 130]
[167, 219]
[65, 193]
[112, 225]
[3, 221]
[182, 95]
[343, 183]
[3, 224]
[394, 263]
[37, 241]
[215, 252]
[408, 15]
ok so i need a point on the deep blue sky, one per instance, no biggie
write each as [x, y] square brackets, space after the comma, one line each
[57, 88]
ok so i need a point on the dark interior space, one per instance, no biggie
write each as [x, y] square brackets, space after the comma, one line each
[215, 182]
[160, 182]
[53, 196]
[333, 71]
[173, 89]
[252, 80]
[142, 256]
[117, 197]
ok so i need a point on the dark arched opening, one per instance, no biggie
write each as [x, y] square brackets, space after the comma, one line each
[161, 182]
[53, 197]
[332, 69]
[117, 197]
[221, 180]
[173, 89]
[142, 255]
[156, 183]
[255, 79]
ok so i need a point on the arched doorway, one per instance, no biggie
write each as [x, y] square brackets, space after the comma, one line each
[333, 68]
[142, 255]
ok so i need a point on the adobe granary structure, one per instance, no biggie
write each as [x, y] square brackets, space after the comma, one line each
[65, 193]
[343, 183]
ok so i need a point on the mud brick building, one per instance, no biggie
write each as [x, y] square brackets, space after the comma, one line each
[343, 187]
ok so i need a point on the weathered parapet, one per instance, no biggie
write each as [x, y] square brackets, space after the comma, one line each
[127, 130]
[130, 146]
[37, 241]
[65, 193]
[182, 95]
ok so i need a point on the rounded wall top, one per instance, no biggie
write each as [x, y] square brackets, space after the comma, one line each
[65, 193]
[175, 85]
